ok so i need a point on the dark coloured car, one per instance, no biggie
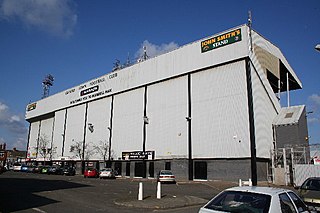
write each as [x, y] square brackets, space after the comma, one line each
[24, 168]
[309, 191]
[55, 170]
[31, 169]
[69, 170]
[91, 172]
[37, 169]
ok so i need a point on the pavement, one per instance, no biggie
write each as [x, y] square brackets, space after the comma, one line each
[168, 201]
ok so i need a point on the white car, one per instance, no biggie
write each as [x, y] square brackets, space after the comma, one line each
[249, 199]
[166, 176]
[17, 167]
[107, 173]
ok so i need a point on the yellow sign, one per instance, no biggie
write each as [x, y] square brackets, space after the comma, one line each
[221, 40]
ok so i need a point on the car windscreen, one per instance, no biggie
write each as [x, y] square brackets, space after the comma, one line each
[165, 173]
[240, 202]
[311, 184]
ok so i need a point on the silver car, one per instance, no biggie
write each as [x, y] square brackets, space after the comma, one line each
[107, 173]
[256, 199]
[166, 176]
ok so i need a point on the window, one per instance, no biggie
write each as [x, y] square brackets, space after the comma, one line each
[299, 204]
[286, 204]
[235, 201]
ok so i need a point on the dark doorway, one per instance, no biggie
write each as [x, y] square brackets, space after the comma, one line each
[151, 169]
[128, 169]
[139, 169]
[167, 166]
[118, 168]
[200, 170]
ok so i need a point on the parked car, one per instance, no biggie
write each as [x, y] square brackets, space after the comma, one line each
[256, 199]
[37, 169]
[91, 172]
[107, 173]
[17, 167]
[55, 170]
[69, 170]
[309, 191]
[24, 168]
[44, 169]
[31, 169]
[166, 176]
[2, 169]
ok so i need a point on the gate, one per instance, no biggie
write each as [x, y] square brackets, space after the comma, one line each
[292, 165]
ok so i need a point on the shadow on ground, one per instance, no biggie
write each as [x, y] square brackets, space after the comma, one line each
[23, 195]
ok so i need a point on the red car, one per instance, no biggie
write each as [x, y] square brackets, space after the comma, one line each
[91, 172]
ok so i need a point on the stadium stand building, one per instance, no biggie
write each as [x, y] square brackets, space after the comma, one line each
[207, 110]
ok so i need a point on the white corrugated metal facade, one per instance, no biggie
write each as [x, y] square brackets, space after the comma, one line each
[187, 104]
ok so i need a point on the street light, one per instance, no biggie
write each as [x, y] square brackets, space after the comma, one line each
[317, 47]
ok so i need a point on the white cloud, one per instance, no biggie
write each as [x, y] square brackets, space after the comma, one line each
[154, 50]
[313, 120]
[20, 144]
[15, 118]
[315, 98]
[3, 107]
[57, 17]
[12, 124]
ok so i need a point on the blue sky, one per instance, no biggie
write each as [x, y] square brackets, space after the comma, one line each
[76, 41]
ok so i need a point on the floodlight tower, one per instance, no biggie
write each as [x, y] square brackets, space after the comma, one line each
[47, 83]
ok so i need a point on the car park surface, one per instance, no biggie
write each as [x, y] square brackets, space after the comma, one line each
[309, 191]
[255, 199]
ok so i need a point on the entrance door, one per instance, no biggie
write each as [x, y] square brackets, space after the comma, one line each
[200, 170]
[138, 169]
[151, 169]
[128, 169]
[118, 168]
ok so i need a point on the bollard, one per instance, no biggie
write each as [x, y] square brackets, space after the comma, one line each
[240, 182]
[250, 182]
[140, 193]
[159, 190]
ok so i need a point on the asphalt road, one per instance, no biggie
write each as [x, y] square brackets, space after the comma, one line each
[27, 192]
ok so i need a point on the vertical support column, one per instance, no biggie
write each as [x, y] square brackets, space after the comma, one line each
[145, 122]
[64, 132]
[279, 91]
[190, 160]
[285, 166]
[110, 131]
[38, 139]
[288, 88]
[254, 175]
[84, 138]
